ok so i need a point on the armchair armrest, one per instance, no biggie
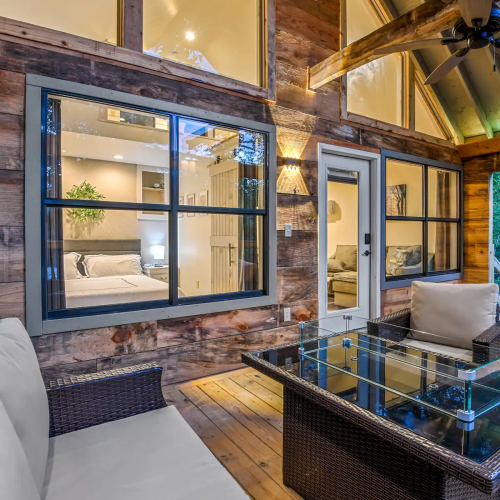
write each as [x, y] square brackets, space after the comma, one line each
[82, 401]
[393, 326]
[486, 347]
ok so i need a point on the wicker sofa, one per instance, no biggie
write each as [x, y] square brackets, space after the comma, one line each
[112, 436]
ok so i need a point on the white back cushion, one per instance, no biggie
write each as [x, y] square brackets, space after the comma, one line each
[16, 481]
[458, 313]
[98, 266]
[23, 394]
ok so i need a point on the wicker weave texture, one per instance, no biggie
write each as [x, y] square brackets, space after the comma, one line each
[84, 401]
[326, 457]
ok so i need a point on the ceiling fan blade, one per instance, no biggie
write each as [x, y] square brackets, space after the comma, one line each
[475, 9]
[419, 44]
[444, 68]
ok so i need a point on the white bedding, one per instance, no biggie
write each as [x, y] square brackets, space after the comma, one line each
[89, 292]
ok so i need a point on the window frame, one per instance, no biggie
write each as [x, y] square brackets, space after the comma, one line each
[435, 276]
[37, 320]
[129, 51]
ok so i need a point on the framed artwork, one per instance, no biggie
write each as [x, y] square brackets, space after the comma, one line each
[190, 198]
[203, 201]
[395, 201]
[180, 215]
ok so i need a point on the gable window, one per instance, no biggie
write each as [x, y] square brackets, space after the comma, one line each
[389, 90]
[221, 36]
[423, 220]
[151, 210]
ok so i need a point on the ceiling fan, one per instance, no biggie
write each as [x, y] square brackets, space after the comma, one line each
[479, 23]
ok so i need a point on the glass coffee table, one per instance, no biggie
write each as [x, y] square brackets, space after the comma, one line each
[373, 407]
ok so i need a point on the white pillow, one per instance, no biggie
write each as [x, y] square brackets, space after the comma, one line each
[98, 266]
[458, 313]
[71, 271]
[16, 481]
[24, 397]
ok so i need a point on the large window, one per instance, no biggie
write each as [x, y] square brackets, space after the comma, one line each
[219, 36]
[147, 210]
[94, 19]
[422, 218]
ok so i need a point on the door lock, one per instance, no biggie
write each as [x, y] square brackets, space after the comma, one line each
[366, 253]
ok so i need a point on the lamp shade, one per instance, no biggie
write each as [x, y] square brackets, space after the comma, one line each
[158, 252]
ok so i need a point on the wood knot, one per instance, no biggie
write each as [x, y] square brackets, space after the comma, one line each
[242, 327]
[122, 335]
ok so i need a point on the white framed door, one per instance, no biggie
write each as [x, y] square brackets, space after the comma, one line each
[349, 241]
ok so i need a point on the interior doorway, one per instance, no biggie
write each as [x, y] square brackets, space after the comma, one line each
[349, 219]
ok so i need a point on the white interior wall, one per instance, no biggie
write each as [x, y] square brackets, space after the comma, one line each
[424, 120]
[343, 224]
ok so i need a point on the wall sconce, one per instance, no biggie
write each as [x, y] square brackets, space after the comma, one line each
[290, 180]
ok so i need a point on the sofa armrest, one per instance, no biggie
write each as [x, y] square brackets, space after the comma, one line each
[82, 401]
[486, 347]
[394, 326]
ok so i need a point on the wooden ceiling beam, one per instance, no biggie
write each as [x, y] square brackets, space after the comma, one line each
[479, 148]
[420, 23]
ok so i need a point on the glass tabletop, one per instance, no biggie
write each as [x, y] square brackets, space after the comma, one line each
[411, 362]
[388, 397]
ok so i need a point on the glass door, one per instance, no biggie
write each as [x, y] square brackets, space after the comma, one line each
[345, 224]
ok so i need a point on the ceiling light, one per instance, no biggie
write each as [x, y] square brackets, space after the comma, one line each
[118, 157]
[190, 35]
[188, 157]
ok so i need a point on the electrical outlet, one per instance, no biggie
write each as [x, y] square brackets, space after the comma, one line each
[288, 230]
[287, 314]
[197, 284]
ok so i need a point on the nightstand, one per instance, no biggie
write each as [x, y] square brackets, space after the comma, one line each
[157, 273]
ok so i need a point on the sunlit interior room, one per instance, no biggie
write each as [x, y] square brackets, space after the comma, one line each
[250, 249]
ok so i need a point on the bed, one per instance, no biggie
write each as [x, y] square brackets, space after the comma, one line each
[108, 290]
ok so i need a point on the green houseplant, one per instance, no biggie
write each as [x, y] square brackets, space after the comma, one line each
[85, 191]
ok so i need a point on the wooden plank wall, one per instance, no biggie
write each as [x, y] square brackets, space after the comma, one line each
[307, 32]
[477, 172]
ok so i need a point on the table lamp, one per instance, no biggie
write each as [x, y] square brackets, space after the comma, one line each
[158, 254]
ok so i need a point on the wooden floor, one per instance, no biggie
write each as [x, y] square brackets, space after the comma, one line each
[239, 416]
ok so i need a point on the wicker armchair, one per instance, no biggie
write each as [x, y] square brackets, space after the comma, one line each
[396, 326]
[82, 401]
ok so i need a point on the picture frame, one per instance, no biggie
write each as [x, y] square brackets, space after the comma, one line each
[396, 200]
[203, 201]
[190, 200]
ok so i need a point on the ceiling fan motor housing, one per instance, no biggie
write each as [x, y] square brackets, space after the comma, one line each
[477, 38]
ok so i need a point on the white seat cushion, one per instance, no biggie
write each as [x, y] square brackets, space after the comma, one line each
[150, 456]
[455, 313]
[454, 352]
[23, 394]
[16, 480]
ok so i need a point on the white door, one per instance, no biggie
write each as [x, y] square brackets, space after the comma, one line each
[345, 236]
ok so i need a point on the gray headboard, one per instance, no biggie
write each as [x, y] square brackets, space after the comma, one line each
[105, 247]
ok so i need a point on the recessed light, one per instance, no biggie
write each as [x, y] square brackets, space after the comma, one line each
[188, 157]
[118, 157]
[190, 35]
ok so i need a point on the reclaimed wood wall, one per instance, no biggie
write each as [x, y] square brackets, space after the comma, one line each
[477, 172]
[187, 348]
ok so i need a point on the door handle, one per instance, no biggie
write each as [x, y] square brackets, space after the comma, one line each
[230, 247]
[366, 253]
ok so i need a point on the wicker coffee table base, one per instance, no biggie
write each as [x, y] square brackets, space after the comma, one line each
[326, 457]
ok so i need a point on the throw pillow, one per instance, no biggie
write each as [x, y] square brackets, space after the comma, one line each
[335, 266]
[398, 259]
[349, 255]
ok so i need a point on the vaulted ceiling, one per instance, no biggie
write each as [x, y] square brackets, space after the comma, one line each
[470, 94]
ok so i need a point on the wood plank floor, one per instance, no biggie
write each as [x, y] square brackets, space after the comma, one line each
[239, 416]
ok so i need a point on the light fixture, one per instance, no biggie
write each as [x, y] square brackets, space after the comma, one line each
[118, 157]
[290, 180]
[187, 158]
[158, 254]
[190, 35]
[63, 151]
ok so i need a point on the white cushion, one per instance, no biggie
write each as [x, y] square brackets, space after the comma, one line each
[150, 456]
[98, 266]
[455, 314]
[23, 394]
[454, 352]
[16, 481]
[71, 271]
